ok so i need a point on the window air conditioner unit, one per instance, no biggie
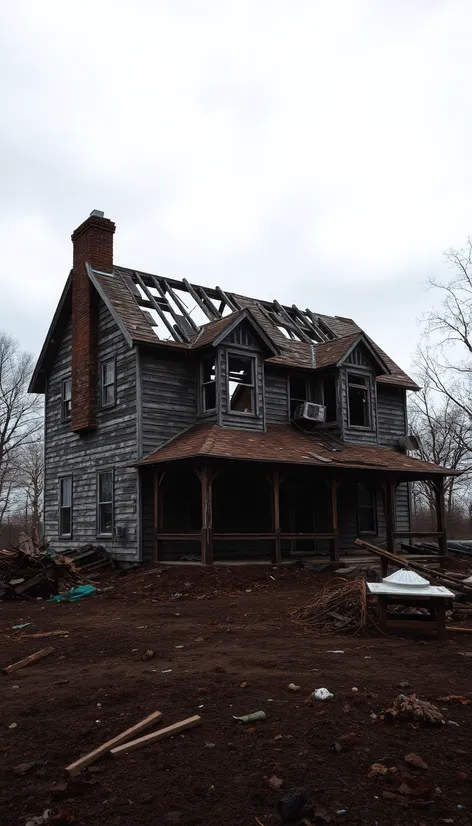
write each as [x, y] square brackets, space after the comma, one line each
[310, 412]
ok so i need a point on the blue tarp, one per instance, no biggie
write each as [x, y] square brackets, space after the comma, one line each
[74, 593]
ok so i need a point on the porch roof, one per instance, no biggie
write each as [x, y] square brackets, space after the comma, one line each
[284, 443]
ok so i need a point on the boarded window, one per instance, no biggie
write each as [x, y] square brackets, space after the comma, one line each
[209, 383]
[65, 506]
[241, 383]
[366, 509]
[66, 399]
[105, 503]
[358, 389]
[107, 382]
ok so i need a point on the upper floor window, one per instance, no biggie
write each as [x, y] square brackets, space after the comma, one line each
[241, 374]
[209, 382]
[66, 399]
[107, 382]
[299, 392]
[366, 509]
[321, 391]
[105, 503]
[358, 400]
[65, 506]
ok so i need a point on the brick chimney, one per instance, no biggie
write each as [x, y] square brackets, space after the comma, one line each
[93, 244]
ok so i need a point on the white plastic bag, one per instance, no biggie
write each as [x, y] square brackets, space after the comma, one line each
[322, 694]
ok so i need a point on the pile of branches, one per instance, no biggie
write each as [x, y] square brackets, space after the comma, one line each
[29, 571]
[340, 607]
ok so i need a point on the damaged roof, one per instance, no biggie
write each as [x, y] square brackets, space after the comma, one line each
[163, 312]
[287, 444]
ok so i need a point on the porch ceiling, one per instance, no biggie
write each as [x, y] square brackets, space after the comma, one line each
[284, 443]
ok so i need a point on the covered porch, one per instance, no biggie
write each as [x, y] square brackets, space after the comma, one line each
[224, 510]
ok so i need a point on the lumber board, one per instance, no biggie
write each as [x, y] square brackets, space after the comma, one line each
[33, 658]
[155, 736]
[92, 756]
[458, 628]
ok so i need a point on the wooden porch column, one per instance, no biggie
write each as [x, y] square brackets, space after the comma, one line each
[334, 520]
[276, 510]
[390, 519]
[206, 482]
[441, 518]
[156, 514]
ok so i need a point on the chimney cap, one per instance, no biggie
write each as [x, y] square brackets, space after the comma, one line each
[97, 213]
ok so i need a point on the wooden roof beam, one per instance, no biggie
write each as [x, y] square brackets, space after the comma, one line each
[210, 312]
[175, 333]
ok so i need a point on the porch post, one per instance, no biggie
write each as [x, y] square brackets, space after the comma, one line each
[390, 520]
[334, 520]
[276, 509]
[206, 482]
[441, 518]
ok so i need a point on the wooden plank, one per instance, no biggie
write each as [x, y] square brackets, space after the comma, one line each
[414, 534]
[156, 736]
[92, 756]
[33, 658]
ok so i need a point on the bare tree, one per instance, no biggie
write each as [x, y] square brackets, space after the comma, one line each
[20, 416]
[31, 478]
[445, 354]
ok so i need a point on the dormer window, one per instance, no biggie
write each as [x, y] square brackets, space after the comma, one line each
[241, 373]
[358, 398]
[209, 383]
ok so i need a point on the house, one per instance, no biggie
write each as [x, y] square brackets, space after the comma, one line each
[184, 422]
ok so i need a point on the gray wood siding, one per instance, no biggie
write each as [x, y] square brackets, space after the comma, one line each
[276, 396]
[358, 435]
[111, 445]
[168, 396]
[232, 418]
[392, 415]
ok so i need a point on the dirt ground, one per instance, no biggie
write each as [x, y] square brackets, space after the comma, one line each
[224, 645]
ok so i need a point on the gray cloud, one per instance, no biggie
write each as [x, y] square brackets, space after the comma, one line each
[315, 152]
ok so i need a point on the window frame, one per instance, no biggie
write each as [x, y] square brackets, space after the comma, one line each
[99, 533]
[308, 392]
[204, 410]
[252, 358]
[104, 405]
[373, 507]
[61, 507]
[66, 415]
[368, 388]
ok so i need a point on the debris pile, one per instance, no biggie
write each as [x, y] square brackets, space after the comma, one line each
[412, 710]
[339, 607]
[28, 571]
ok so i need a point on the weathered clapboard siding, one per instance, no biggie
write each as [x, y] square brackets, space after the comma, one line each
[403, 507]
[276, 396]
[168, 397]
[367, 436]
[391, 414]
[111, 446]
[233, 418]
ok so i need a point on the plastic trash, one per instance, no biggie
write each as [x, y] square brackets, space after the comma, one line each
[74, 593]
[22, 625]
[293, 687]
[336, 651]
[252, 718]
[322, 694]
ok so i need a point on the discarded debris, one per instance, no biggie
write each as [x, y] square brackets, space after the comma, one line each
[290, 806]
[456, 698]
[243, 684]
[91, 757]
[29, 571]
[322, 694]
[33, 658]
[410, 709]
[22, 625]
[339, 607]
[251, 718]
[293, 687]
[45, 634]
[148, 655]
[156, 736]
[275, 782]
[377, 769]
[74, 594]
[415, 760]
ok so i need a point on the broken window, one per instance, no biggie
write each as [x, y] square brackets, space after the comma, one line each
[330, 397]
[105, 503]
[66, 399]
[107, 382]
[65, 506]
[241, 383]
[209, 382]
[366, 509]
[299, 392]
[358, 389]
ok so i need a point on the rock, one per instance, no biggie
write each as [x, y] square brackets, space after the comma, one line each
[23, 768]
[148, 655]
[293, 687]
[405, 684]
[275, 782]
[416, 760]
[377, 769]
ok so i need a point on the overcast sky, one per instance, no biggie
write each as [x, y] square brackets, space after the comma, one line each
[314, 151]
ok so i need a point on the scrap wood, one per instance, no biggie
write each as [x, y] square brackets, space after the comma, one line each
[92, 756]
[340, 606]
[403, 562]
[33, 658]
[44, 634]
[155, 736]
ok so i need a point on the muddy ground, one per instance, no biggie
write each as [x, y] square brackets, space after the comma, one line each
[240, 651]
